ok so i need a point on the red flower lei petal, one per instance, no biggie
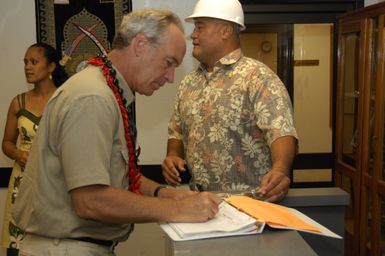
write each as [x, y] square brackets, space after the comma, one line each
[133, 171]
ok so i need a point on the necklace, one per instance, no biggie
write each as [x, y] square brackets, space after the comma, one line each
[109, 73]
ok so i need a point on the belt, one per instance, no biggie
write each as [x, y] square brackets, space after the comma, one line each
[93, 240]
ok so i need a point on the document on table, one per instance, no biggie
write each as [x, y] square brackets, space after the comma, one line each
[241, 215]
[278, 216]
[228, 222]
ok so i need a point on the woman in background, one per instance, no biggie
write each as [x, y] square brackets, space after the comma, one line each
[42, 69]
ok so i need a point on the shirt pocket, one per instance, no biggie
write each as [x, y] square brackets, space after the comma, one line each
[119, 166]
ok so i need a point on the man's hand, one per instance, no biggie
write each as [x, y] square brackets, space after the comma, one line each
[22, 157]
[171, 167]
[200, 207]
[274, 186]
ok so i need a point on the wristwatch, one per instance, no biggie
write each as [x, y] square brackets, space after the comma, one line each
[158, 188]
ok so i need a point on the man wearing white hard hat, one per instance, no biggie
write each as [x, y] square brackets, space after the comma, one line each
[233, 119]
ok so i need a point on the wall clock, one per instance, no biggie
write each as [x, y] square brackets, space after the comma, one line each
[266, 46]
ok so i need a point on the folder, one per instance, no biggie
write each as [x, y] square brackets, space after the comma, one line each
[242, 215]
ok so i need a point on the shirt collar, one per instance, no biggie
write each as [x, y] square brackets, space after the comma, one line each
[226, 60]
[127, 93]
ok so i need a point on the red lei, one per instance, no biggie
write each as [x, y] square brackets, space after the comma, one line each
[109, 73]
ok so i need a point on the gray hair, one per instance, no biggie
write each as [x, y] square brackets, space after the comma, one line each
[152, 22]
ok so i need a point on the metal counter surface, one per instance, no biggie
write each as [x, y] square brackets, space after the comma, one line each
[325, 205]
[269, 243]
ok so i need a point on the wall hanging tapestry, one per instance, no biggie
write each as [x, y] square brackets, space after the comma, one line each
[79, 29]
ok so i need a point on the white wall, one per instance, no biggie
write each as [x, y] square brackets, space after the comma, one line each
[370, 2]
[17, 32]
[153, 112]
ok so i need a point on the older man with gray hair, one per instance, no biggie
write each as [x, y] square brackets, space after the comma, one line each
[82, 191]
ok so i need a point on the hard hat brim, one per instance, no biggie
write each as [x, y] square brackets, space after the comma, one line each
[190, 19]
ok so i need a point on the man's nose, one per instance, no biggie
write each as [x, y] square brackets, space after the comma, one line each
[169, 76]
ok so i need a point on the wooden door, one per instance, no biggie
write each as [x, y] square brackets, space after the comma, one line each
[350, 106]
[368, 151]
[373, 207]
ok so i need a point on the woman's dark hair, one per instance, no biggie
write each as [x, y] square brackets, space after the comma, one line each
[59, 76]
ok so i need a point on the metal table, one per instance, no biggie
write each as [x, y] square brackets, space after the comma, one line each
[269, 243]
[325, 205]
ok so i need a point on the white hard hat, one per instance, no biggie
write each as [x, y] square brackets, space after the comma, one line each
[230, 10]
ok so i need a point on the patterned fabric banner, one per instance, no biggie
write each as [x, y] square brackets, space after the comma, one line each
[79, 29]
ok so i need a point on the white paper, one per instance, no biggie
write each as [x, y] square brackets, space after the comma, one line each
[231, 222]
[175, 237]
[228, 222]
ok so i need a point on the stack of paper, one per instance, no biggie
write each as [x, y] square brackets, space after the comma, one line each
[228, 222]
[241, 215]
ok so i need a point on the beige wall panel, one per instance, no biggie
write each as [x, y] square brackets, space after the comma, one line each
[312, 86]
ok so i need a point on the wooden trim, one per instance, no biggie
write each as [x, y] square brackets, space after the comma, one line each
[350, 27]
[343, 169]
[367, 12]
[306, 62]
[365, 67]
[381, 188]
[378, 139]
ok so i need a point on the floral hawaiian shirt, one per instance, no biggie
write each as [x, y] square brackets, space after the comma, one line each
[228, 120]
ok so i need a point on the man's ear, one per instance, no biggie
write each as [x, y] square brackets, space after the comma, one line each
[227, 31]
[139, 43]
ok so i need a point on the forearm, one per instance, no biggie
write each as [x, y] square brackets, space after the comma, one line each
[148, 186]
[276, 182]
[175, 148]
[10, 150]
[283, 151]
[11, 132]
[112, 205]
